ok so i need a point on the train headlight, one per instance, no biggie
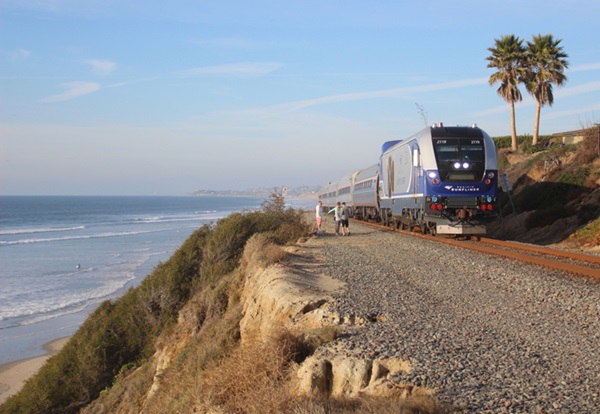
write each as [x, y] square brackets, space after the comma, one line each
[434, 199]
[434, 177]
[456, 165]
[466, 165]
[489, 199]
[491, 174]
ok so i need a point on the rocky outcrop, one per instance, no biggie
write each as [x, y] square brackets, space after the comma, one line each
[344, 376]
[286, 297]
[279, 297]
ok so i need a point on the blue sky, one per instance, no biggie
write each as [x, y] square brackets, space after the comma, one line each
[152, 97]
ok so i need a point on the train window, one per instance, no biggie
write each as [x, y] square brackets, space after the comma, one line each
[363, 185]
[460, 159]
[446, 152]
[473, 153]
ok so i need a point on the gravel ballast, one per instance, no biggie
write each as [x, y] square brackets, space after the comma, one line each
[485, 333]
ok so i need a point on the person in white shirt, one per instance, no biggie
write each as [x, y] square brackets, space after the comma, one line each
[337, 211]
[319, 216]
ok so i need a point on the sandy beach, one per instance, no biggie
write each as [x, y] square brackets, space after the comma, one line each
[14, 374]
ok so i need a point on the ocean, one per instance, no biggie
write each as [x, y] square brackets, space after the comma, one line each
[62, 256]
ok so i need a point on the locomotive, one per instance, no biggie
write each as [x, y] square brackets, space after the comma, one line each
[441, 180]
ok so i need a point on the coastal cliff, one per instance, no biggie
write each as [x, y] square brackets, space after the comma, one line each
[228, 324]
[277, 301]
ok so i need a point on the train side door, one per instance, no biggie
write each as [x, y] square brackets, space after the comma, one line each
[416, 161]
[387, 176]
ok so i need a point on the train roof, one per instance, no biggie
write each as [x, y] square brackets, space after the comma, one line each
[451, 131]
[389, 144]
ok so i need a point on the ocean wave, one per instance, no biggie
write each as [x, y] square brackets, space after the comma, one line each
[68, 292]
[154, 220]
[39, 230]
[89, 236]
[31, 312]
[198, 216]
[24, 320]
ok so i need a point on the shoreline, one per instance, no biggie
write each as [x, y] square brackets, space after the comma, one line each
[13, 375]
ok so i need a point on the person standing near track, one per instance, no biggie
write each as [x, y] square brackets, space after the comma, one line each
[344, 216]
[319, 217]
[337, 211]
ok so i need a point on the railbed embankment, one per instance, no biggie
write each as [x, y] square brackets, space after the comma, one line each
[483, 332]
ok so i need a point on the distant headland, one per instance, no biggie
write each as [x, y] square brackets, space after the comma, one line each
[293, 192]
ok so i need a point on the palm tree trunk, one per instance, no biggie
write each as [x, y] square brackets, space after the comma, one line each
[536, 125]
[513, 127]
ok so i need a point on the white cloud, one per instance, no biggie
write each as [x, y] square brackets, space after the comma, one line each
[559, 93]
[22, 54]
[589, 109]
[585, 67]
[74, 90]
[231, 43]
[17, 55]
[101, 66]
[361, 96]
[577, 90]
[237, 69]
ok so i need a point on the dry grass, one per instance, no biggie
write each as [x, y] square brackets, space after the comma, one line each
[254, 379]
[311, 340]
[261, 249]
[257, 379]
[589, 148]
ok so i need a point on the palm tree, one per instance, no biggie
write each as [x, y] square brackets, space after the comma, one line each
[546, 64]
[508, 57]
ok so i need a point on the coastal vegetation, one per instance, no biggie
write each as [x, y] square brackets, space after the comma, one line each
[123, 334]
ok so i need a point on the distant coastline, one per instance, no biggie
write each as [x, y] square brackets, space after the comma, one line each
[292, 192]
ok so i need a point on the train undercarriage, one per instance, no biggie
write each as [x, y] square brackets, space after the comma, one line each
[462, 222]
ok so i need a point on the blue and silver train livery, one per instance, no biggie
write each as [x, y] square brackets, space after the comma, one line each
[442, 180]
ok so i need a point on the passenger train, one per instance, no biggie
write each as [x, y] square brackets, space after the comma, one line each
[441, 180]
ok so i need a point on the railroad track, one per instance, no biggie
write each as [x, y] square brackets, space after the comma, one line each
[571, 262]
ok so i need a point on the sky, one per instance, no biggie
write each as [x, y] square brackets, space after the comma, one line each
[112, 97]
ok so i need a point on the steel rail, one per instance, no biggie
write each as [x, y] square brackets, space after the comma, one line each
[576, 269]
[544, 250]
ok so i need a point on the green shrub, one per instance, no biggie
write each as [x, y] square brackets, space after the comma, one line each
[524, 142]
[544, 195]
[588, 212]
[589, 234]
[576, 176]
[541, 218]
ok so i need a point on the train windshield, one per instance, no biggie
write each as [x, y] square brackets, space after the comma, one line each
[460, 159]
